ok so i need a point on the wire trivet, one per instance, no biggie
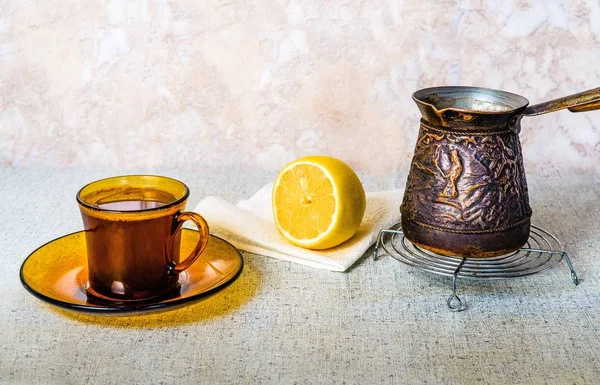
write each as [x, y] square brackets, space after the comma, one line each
[542, 251]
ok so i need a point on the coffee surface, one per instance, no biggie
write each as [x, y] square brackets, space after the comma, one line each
[131, 205]
[131, 199]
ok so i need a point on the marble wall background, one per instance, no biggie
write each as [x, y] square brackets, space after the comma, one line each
[188, 84]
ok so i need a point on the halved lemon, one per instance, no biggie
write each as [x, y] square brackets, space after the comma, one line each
[318, 202]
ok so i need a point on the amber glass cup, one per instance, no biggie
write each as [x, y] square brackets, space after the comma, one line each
[132, 229]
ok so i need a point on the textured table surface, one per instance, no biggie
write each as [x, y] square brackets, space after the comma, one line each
[282, 323]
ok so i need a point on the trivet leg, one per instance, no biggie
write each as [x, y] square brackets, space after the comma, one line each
[380, 241]
[563, 254]
[454, 302]
[574, 277]
[376, 251]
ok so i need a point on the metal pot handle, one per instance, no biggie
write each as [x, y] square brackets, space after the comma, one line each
[581, 102]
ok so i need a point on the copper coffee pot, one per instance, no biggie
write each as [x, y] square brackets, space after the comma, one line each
[466, 193]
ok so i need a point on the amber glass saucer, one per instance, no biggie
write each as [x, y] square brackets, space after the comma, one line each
[57, 273]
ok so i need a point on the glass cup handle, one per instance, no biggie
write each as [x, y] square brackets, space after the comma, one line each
[202, 242]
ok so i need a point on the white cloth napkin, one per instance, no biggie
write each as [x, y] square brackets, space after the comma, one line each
[250, 226]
